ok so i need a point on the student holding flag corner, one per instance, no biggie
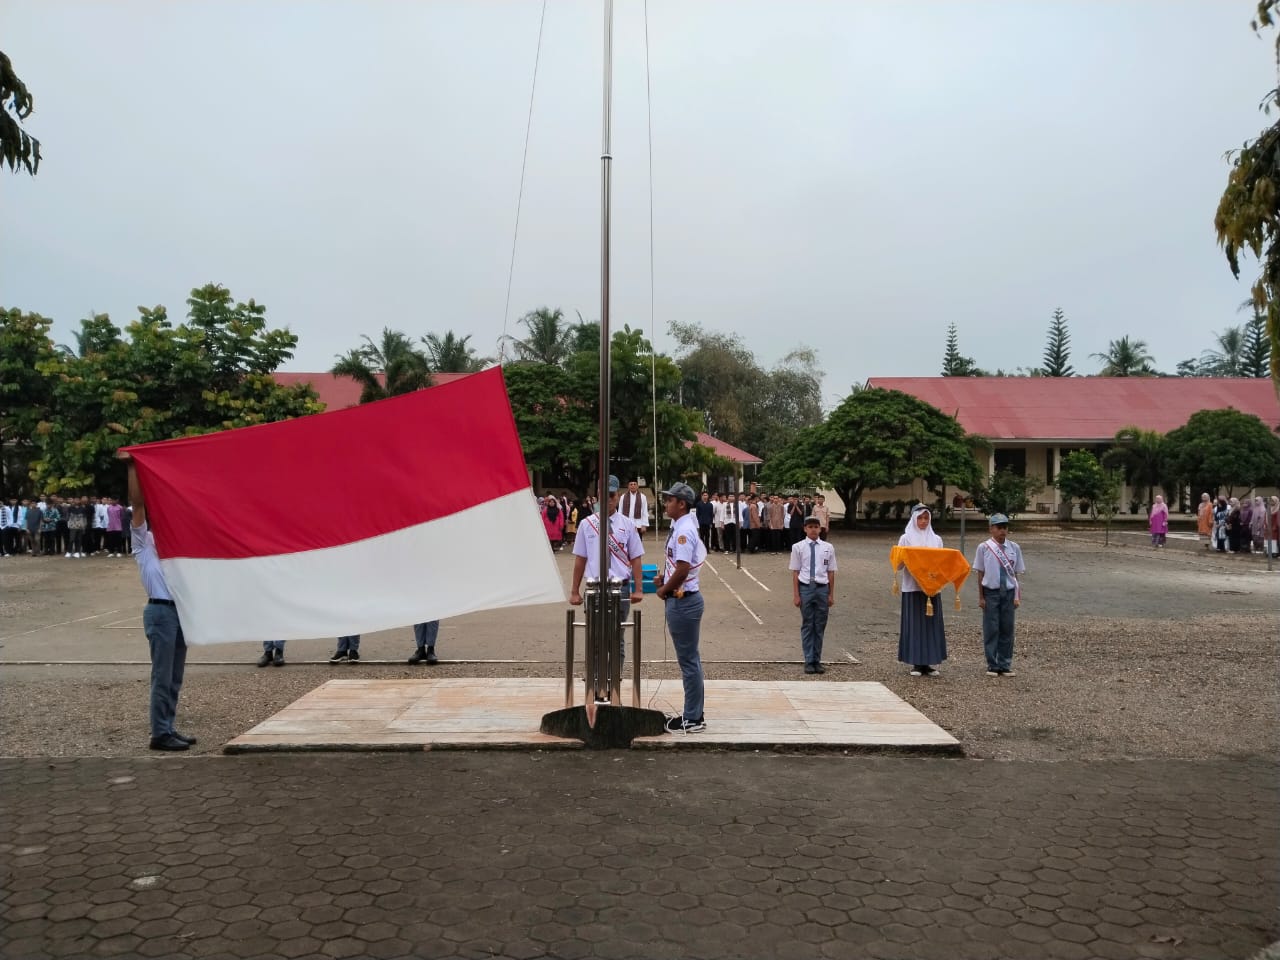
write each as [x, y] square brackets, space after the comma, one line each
[625, 552]
[161, 624]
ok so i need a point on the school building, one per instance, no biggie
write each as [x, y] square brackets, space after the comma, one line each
[1033, 422]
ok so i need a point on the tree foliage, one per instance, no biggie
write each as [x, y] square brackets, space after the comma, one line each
[1248, 215]
[876, 438]
[388, 368]
[452, 354]
[550, 339]
[953, 363]
[1006, 492]
[17, 147]
[1255, 360]
[1126, 358]
[1141, 455]
[744, 404]
[26, 394]
[1226, 358]
[1082, 476]
[1057, 351]
[154, 381]
[1224, 448]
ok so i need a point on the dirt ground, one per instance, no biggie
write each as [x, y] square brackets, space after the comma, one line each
[1122, 652]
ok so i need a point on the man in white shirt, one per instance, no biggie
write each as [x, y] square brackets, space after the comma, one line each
[98, 529]
[999, 563]
[678, 588]
[625, 552]
[635, 507]
[813, 582]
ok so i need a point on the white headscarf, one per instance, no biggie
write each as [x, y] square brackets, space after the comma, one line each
[915, 537]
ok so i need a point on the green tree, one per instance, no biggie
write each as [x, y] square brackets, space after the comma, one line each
[876, 438]
[1057, 352]
[1224, 448]
[1227, 360]
[549, 339]
[1126, 358]
[388, 368]
[452, 354]
[1006, 492]
[212, 372]
[558, 427]
[953, 363]
[17, 147]
[28, 371]
[1141, 455]
[1082, 476]
[752, 408]
[1189, 368]
[1248, 215]
[1255, 360]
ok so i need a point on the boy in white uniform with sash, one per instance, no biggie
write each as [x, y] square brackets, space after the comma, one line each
[625, 551]
[678, 588]
[999, 563]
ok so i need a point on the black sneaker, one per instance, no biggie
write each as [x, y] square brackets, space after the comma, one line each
[278, 660]
[169, 742]
[679, 724]
[191, 741]
[353, 656]
[419, 655]
[339, 656]
[265, 659]
[432, 659]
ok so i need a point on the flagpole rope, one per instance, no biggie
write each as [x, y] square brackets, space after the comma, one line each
[653, 339]
[524, 161]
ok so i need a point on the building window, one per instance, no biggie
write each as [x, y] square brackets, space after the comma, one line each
[1012, 459]
[1048, 466]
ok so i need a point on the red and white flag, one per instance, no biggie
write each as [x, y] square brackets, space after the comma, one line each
[411, 509]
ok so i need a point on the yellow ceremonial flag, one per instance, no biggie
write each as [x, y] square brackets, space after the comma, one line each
[932, 568]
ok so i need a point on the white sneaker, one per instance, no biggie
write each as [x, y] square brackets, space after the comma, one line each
[993, 673]
[1008, 673]
[916, 673]
[67, 557]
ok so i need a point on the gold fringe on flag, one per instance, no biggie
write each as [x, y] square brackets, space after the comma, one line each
[928, 606]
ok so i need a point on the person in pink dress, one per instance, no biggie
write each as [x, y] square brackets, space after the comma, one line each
[1158, 521]
[553, 521]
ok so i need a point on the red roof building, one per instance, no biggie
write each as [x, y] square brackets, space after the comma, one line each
[1032, 422]
[338, 393]
[1082, 410]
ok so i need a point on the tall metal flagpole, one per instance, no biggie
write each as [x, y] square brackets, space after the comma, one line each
[606, 192]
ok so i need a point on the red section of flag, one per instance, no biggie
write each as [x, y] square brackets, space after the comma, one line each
[333, 478]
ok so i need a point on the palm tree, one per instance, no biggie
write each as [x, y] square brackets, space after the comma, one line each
[1228, 359]
[1141, 454]
[386, 369]
[1126, 358]
[451, 354]
[550, 338]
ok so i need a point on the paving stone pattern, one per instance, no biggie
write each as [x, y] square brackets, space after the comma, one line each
[627, 855]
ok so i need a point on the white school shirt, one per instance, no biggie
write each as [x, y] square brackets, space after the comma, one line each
[625, 540]
[683, 543]
[627, 508]
[989, 565]
[100, 516]
[717, 513]
[825, 554]
[144, 551]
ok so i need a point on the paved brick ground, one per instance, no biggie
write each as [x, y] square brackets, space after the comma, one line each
[619, 855]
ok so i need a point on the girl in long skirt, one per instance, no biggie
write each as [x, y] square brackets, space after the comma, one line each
[922, 639]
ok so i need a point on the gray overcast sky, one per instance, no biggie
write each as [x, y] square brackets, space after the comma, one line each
[850, 175]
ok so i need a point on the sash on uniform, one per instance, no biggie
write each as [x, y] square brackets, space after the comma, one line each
[931, 567]
[616, 547]
[1005, 562]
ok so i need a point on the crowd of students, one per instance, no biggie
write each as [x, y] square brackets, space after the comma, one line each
[1250, 525]
[75, 527]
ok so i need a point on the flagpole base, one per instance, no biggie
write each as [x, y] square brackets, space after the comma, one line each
[602, 726]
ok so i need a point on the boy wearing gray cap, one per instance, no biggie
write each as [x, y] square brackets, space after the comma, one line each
[998, 562]
[678, 589]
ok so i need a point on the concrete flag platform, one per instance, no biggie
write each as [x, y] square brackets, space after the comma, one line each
[505, 713]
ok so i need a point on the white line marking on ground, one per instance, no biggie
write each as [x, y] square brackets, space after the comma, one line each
[851, 658]
[735, 593]
[64, 623]
[752, 576]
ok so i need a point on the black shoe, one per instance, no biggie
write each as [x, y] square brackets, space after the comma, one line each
[339, 656]
[808, 668]
[278, 660]
[419, 655]
[353, 656]
[169, 742]
[191, 741]
[432, 659]
[819, 668]
[265, 659]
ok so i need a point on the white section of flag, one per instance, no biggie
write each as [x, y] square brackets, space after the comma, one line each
[492, 555]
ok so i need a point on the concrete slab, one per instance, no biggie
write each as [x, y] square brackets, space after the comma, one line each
[504, 713]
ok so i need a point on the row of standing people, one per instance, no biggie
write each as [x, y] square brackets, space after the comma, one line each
[1228, 524]
[75, 527]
